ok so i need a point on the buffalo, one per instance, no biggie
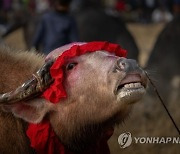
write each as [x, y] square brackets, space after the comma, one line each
[100, 88]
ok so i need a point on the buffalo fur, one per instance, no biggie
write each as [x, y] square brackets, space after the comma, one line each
[90, 109]
[16, 67]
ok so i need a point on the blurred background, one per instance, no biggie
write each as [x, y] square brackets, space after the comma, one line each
[148, 29]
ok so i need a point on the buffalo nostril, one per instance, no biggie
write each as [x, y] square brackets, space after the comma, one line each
[122, 65]
[126, 65]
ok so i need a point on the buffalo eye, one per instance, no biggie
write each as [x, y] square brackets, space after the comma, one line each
[70, 66]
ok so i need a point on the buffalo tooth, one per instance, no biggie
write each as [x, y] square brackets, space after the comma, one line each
[126, 85]
[131, 85]
[136, 84]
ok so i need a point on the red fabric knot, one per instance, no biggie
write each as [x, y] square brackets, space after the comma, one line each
[56, 91]
[44, 140]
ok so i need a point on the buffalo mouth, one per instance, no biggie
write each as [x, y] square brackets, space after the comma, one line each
[132, 87]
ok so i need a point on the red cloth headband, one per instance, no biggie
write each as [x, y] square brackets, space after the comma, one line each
[42, 137]
[56, 91]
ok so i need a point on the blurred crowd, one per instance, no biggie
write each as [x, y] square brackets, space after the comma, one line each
[46, 23]
[148, 10]
[28, 13]
[12, 11]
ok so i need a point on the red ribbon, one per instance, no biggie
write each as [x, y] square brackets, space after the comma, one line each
[56, 91]
[44, 141]
[42, 137]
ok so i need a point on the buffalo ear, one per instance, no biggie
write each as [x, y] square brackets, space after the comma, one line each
[32, 111]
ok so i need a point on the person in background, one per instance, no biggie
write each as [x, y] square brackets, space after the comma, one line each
[56, 28]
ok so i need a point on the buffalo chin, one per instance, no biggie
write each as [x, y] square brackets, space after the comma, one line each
[130, 95]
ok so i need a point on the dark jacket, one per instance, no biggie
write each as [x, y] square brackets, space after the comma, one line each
[55, 29]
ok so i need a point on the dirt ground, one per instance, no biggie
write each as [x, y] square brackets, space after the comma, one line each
[145, 36]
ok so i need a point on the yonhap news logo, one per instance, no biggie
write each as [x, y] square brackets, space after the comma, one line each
[126, 139]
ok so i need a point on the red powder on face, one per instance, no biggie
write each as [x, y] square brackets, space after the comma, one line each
[56, 91]
[42, 137]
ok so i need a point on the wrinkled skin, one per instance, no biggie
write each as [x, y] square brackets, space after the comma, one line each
[97, 98]
[104, 107]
